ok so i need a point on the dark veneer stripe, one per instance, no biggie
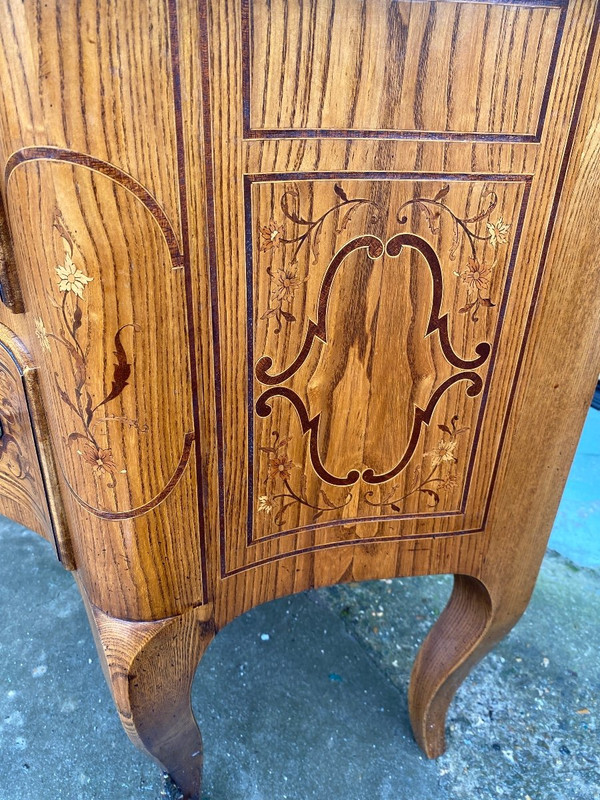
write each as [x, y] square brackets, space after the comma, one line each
[351, 133]
[183, 210]
[269, 177]
[356, 520]
[131, 513]
[551, 72]
[211, 256]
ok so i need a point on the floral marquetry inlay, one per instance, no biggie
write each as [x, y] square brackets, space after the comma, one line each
[108, 327]
[91, 412]
[404, 281]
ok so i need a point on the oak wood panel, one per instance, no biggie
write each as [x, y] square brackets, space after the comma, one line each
[550, 192]
[191, 195]
[22, 494]
[318, 68]
[98, 223]
[276, 166]
[149, 667]
[212, 58]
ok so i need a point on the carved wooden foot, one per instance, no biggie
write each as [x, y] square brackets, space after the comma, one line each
[149, 667]
[470, 625]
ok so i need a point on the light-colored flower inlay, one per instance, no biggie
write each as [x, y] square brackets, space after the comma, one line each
[305, 233]
[265, 503]
[281, 495]
[498, 232]
[429, 483]
[71, 278]
[451, 482]
[42, 334]
[444, 451]
[271, 234]
[90, 410]
[101, 460]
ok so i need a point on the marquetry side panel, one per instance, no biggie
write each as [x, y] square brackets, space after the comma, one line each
[180, 172]
[327, 339]
[94, 188]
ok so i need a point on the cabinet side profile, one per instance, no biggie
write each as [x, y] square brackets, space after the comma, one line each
[294, 293]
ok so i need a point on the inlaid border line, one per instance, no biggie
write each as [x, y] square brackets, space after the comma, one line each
[211, 257]
[139, 511]
[29, 155]
[249, 179]
[350, 543]
[119, 176]
[535, 297]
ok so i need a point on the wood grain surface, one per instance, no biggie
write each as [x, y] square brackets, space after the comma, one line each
[310, 287]
[274, 191]
[316, 68]
[100, 238]
[21, 485]
[165, 260]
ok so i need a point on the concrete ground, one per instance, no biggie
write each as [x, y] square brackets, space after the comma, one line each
[305, 698]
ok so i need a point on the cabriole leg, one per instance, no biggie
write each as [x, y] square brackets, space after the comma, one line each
[470, 625]
[150, 667]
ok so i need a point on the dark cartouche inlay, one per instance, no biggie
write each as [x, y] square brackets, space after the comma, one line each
[478, 229]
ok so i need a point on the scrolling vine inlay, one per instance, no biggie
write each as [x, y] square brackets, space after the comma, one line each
[72, 283]
[97, 397]
[296, 229]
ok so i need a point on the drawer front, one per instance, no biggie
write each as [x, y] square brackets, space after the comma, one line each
[22, 494]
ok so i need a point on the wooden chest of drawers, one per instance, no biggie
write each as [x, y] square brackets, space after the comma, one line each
[296, 292]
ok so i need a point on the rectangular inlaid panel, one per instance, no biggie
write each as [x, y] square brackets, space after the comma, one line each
[372, 301]
[376, 307]
[356, 79]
